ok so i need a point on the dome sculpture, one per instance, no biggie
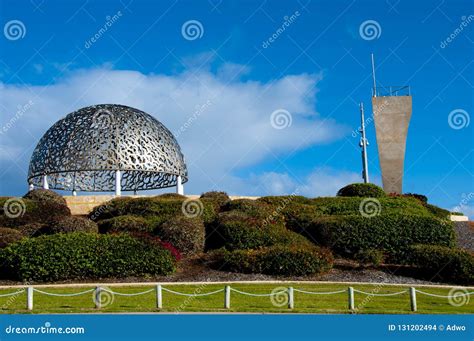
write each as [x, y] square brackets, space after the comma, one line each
[107, 147]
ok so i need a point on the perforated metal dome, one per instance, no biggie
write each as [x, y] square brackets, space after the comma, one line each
[84, 150]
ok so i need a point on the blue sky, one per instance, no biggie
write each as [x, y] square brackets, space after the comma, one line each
[317, 69]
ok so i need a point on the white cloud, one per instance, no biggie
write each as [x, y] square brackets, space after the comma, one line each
[322, 181]
[231, 133]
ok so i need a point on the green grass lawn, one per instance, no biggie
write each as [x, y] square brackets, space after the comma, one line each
[304, 303]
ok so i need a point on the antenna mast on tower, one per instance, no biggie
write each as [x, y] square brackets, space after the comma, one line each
[373, 75]
[363, 144]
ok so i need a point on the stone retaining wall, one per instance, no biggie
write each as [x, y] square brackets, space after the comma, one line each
[83, 204]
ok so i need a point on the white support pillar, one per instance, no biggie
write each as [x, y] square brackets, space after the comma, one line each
[351, 299]
[159, 297]
[227, 297]
[29, 298]
[45, 182]
[74, 193]
[179, 185]
[31, 187]
[118, 183]
[413, 299]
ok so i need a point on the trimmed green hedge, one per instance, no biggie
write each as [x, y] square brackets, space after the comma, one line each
[45, 195]
[43, 211]
[253, 208]
[347, 235]
[9, 236]
[216, 196]
[278, 260]
[185, 234]
[438, 211]
[82, 255]
[442, 263]
[370, 256]
[238, 230]
[70, 224]
[361, 190]
[124, 223]
[156, 210]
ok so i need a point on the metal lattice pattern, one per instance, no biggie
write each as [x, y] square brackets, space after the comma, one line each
[83, 150]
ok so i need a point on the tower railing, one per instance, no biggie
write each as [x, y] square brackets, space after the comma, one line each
[398, 90]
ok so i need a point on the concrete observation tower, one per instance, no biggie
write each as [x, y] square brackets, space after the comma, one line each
[392, 107]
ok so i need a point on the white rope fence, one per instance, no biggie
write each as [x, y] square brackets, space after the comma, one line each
[289, 292]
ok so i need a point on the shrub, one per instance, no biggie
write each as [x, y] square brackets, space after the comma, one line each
[420, 197]
[45, 195]
[249, 206]
[82, 255]
[32, 229]
[113, 208]
[216, 200]
[186, 234]
[70, 224]
[300, 216]
[279, 260]
[171, 196]
[350, 234]
[238, 230]
[361, 190]
[370, 256]
[34, 211]
[442, 263]
[437, 211]
[221, 197]
[9, 236]
[284, 200]
[255, 209]
[125, 223]
[151, 208]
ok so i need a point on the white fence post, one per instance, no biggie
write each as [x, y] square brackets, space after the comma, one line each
[97, 297]
[351, 298]
[413, 299]
[29, 298]
[291, 298]
[159, 297]
[227, 297]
